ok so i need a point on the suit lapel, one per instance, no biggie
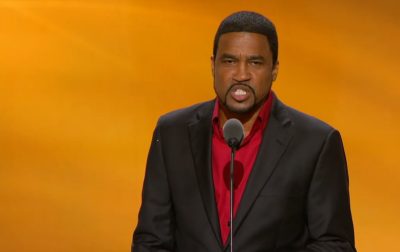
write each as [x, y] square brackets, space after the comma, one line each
[273, 145]
[201, 139]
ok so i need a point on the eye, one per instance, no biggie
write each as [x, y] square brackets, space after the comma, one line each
[256, 63]
[229, 61]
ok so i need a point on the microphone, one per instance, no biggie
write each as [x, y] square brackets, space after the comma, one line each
[234, 135]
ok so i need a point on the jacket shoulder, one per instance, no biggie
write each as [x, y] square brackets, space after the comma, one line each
[187, 115]
[304, 120]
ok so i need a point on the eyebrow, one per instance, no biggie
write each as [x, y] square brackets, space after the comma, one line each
[256, 57]
[227, 55]
[252, 57]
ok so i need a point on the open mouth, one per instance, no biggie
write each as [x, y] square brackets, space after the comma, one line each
[240, 93]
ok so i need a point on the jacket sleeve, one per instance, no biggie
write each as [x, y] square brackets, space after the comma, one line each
[155, 228]
[329, 216]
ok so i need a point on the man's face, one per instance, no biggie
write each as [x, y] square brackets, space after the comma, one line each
[243, 71]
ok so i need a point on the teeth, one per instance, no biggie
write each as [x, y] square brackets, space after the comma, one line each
[240, 92]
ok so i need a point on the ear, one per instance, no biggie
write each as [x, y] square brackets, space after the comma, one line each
[212, 65]
[275, 71]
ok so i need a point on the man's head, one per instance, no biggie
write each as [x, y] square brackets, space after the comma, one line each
[244, 62]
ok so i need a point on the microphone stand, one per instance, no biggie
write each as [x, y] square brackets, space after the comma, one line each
[233, 135]
[231, 196]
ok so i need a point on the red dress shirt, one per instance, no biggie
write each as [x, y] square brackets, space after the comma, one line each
[244, 160]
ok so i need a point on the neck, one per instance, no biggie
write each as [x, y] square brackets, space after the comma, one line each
[246, 119]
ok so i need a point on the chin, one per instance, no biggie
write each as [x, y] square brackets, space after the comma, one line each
[239, 109]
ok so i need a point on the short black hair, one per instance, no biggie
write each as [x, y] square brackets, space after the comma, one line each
[248, 21]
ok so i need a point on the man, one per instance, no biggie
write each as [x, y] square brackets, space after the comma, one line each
[291, 181]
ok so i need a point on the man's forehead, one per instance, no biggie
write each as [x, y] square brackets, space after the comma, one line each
[243, 39]
[241, 55]
[243, 43]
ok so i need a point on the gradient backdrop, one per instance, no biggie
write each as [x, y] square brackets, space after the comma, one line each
[82, 84]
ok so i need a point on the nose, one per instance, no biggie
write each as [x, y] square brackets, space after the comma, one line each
[242, 73]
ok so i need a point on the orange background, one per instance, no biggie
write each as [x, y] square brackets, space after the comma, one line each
[82, 84]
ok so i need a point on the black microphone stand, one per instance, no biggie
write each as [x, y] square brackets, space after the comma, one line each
[233, 146]
[233, 135]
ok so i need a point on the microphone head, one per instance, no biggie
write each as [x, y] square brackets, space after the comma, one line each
[233, 133]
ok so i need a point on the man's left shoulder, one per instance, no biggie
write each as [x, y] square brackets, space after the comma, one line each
[308, 125]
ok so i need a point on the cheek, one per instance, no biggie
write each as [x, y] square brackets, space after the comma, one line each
[263, 84]
[222, 74]
[221, 80]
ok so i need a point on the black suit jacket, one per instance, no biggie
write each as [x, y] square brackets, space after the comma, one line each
[296, 198]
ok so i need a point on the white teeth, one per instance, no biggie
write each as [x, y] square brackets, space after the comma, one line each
[240, 92]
